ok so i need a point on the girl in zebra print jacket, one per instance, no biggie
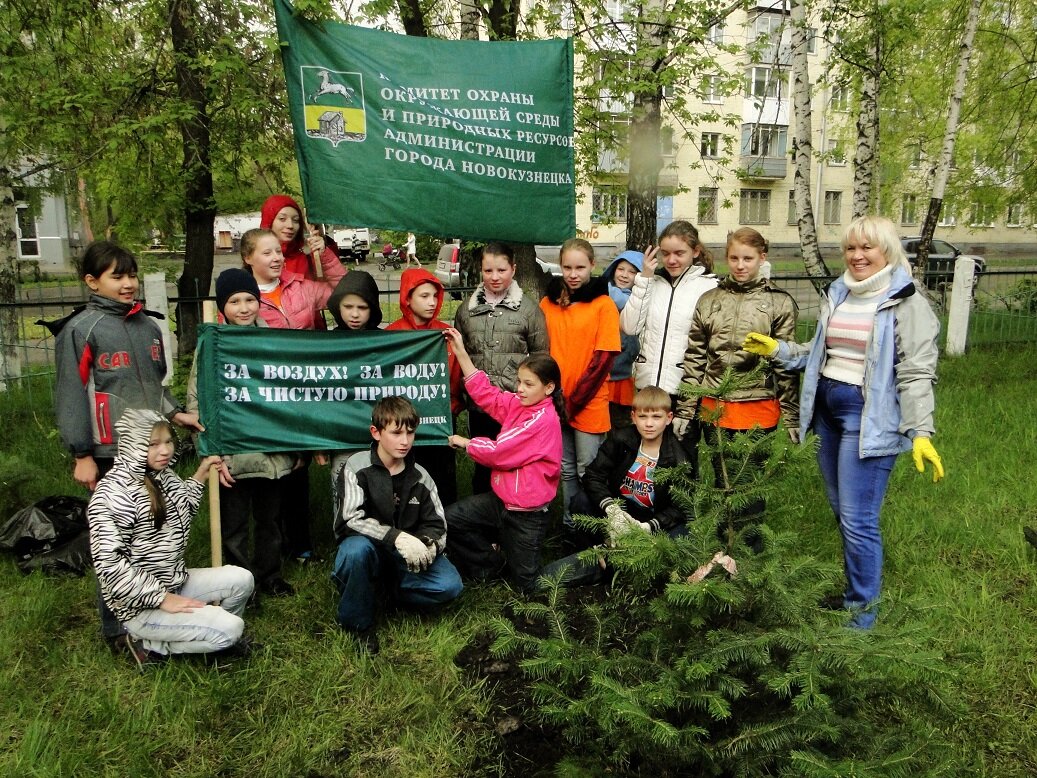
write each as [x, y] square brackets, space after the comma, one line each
[140, 520]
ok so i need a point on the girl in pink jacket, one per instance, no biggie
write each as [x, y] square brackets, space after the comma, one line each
[501, 531]
[289, 301]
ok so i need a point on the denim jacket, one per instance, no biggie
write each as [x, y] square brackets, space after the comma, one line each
[899, 370]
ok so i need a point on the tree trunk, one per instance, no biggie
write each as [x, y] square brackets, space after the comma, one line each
[803, 147]
[413, 18]
[10, 364]
[645, 163]
[943, 166]
[199, 203]
[470, 15]
[865, 158]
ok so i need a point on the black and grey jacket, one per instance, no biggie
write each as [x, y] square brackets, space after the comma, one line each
[136, 562]
[368, 507]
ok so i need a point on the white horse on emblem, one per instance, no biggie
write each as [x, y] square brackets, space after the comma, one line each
[329, 87]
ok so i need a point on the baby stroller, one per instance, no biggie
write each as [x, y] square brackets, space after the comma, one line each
[390, 256]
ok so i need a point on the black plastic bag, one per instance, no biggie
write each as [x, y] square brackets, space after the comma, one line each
[50, 535]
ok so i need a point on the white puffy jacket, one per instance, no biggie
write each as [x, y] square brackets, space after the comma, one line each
[659, 312]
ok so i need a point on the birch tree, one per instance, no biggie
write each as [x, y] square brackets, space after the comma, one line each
[803, 144]
[943, 165]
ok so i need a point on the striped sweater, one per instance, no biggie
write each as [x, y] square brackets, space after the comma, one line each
[849, 327]
[137, 564]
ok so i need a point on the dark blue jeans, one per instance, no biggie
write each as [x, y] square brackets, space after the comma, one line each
[364, 569]
[485, 539]
[856, 487]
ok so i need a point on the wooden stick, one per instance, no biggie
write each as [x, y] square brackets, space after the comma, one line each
[318, 268]
[215, 522]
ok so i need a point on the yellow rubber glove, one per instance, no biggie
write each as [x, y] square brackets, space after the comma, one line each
[922, 452]
[758, 343]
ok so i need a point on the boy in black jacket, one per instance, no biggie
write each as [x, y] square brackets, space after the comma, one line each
[620, 485]
[390, 527]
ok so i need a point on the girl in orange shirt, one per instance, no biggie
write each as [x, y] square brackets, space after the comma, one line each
[583, 330]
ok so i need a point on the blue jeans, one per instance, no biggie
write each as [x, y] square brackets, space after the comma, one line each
[578, 451]
[856, 488]
[363, 568]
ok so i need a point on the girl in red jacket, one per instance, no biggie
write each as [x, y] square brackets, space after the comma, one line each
[502, 531]
[283, 216]
[421, 299]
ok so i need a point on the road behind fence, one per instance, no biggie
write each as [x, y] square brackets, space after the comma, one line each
[1003, 309]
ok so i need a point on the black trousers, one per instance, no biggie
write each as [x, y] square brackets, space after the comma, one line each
[259, 498]
[477, 524]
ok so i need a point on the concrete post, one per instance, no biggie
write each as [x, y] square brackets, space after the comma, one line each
[960, 306]
[157, 300]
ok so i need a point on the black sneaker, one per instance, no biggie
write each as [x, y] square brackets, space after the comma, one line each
[277, 587]
[142, 656]
[367, 641]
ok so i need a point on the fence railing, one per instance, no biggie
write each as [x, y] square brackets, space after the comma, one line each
[1002, 309]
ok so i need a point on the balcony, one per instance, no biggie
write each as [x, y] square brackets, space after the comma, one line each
[764, 167]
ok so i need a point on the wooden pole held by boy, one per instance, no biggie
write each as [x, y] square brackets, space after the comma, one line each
[215, 528]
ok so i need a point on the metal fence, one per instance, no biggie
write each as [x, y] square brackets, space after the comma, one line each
[1003, 310]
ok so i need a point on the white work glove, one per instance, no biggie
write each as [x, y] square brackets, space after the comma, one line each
[793, 434]
[619, 522]
[680, 426]
[415, 553]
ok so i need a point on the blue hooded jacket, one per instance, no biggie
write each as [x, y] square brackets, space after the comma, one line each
[623, 367]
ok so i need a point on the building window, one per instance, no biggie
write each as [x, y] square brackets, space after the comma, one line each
[793, 212]
[666, 141]
[708, 205]
[909, 209]
[614, 70]
[764, 140]
[833, 207]
[811, 40]
[834, 153]
[709, 147]
[765, 82]
[754, 206]
[840, 99]
[711, 92]
[716, 33]
[1015, 215]
[767, 34]
[916, 156]
[28, 237]
[981, 215]
[608, 204]
[948, 215]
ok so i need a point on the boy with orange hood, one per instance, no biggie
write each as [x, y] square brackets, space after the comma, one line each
[421, 298]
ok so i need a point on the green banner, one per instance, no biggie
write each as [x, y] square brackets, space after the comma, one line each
[295, 390]
[467, 139]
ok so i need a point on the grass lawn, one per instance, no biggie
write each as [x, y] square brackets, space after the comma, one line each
[309, 705]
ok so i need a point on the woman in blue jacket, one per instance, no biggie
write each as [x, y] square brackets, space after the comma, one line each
[867, 391]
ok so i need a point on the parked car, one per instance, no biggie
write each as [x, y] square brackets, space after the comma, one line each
[448, 267]
[940, 267]
[354, 243]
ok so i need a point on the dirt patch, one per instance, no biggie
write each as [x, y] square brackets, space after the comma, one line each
[524, 746]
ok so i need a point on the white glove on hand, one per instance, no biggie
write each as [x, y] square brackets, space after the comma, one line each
[415, 553]
[793, 434]
[619, 522]
[680, 426]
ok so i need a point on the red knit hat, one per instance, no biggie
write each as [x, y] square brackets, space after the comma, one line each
[273, 206]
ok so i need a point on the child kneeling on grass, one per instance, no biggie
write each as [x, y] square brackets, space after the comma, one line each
[390, 528]
[140, 520]
[620, 483]
[503, 530]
